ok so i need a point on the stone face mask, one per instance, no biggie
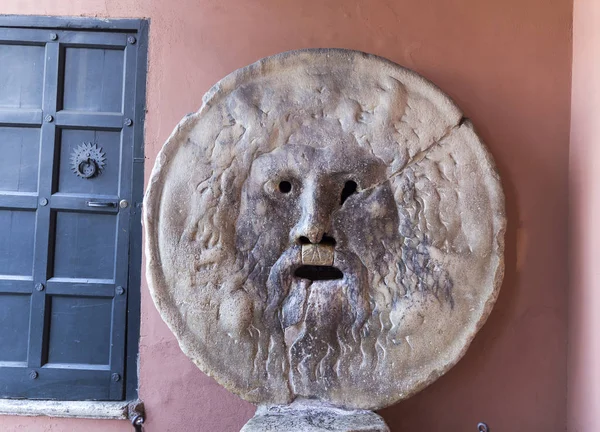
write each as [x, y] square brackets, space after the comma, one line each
[327, 226]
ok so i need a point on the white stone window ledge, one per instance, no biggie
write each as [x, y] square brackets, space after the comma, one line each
[123, 410]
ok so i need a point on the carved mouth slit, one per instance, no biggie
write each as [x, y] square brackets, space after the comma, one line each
[326, 240]
[316, 273]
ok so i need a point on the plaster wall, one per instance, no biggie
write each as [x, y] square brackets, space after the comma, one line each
[506, 63]
[584, 297]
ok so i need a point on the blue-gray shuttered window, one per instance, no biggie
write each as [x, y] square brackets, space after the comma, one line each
[71, 179]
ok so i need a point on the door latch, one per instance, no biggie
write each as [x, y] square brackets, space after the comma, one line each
[101, 203]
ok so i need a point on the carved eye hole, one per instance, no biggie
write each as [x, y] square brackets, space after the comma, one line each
[349, 189]
[285, 187]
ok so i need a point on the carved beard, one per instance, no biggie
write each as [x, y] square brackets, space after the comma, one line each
[322, 331]
[320, 320]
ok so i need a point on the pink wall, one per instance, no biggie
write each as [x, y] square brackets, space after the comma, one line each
[584, 301]
[506, 63]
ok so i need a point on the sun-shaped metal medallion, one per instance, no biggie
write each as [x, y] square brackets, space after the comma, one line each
[88, 160]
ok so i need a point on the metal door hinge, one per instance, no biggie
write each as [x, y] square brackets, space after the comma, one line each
[138, 422]
[137, 415]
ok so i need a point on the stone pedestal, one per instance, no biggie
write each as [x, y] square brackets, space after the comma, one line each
[313, 416]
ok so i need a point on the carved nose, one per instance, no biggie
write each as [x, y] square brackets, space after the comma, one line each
[315, 217]
[310, 230]
[314, 221]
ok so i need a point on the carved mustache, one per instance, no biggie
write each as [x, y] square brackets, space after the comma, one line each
[317, 254]
[317, 260]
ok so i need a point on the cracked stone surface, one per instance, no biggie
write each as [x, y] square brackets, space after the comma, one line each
[312, 416]
[327, 226]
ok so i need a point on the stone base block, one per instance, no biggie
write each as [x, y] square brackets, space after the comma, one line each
[313, 416]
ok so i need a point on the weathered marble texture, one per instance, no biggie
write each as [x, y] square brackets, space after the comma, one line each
[329, 160]
[312, 416]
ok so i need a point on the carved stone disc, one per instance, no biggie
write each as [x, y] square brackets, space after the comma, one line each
[327, 225]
